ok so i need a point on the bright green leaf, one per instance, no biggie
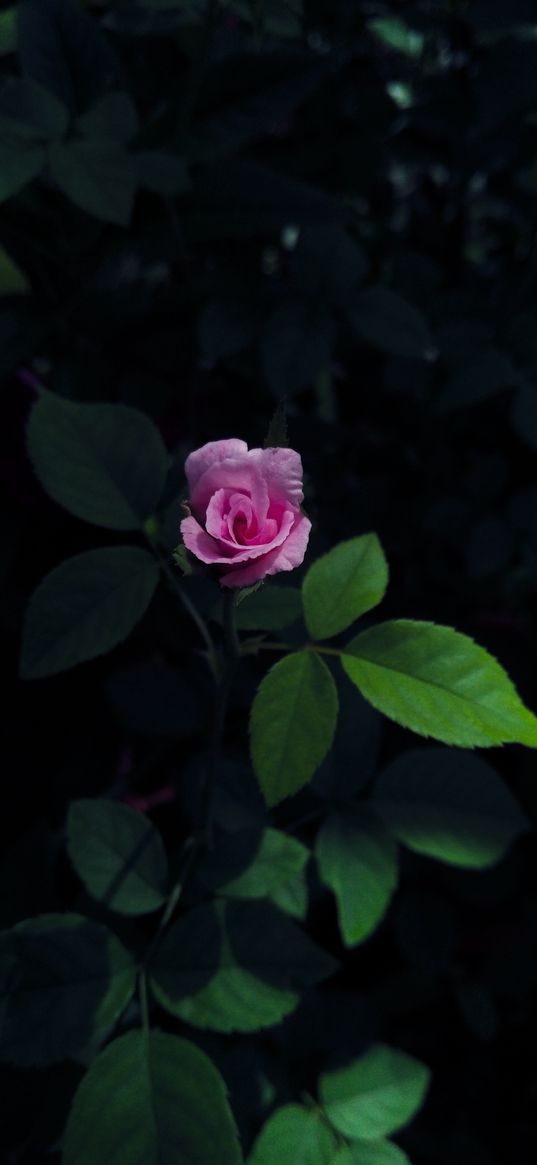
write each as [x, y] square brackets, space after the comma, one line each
[391, 323]
[450, 806]
[151, 1099]
[358, 861]
[438, 683]
[105, 463]
[294, 1134]
[85, 607]
[118, 854]
[255, 863]
[97, 175]
[370, 1153]
[376, 1094]
[235, 967]
[68, 980]
[344, 584]
[292, 723]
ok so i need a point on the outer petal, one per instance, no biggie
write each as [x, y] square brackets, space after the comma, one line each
[285, 557]
[211, 454]
[282, 471]
[240, 474]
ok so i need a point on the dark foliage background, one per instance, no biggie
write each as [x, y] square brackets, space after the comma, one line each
[331, 203]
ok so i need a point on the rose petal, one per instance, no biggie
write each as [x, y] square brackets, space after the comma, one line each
[211, 454]
[212, 550]
[238, 474]
[284, 557]
[282, 471]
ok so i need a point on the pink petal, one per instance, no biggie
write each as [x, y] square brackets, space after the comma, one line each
[211, 454]
[212, 550]
[239, 474]
[285, 557]
[282, 471]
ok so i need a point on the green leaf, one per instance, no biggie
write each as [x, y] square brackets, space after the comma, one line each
[370, 1153]
[85, 607]
[20, 163]
[97, 175]
[162, 172]
[105, 463]
[151, 1099]
[68, 981]
[270, 608]
[439, 683]
[344, 584]
[296, 344]
[113, 117]
[13, 281]
[358, 861]
[277, 436]
[235, 967]
[31, 112]
[450, 806]
[255, 863]
[118, 854]
[63, 47]
[376, 1094]
[292, 724]
[389, 322]
[297, 1134]
[8, 31]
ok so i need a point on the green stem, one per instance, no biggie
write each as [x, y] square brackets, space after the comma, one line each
[221, 700]
[187, 603]
[317, 647]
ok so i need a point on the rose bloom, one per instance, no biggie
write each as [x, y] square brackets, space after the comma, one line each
[245, 510]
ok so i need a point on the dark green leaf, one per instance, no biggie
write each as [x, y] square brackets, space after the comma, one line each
[271, 608]
[344, 584]
[292, 724]
[68, 980]
[113, 116]
[256, 863]
[97, 175]
[390, 323]
[106, 463]
[296, 1134]
[162, 172]
[439, 683]
[227, 327]
[451, 806]
[370, 1153]
[376, 1095]
[31, 112]
[85, 607]
[20, 163]
[358, 861]
[118, 854]
[277, 436]
[13, 281]
[151, 1098]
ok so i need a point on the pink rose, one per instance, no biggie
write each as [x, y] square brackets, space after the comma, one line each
[246, 514]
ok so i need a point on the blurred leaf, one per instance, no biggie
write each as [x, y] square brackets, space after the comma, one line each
[22, 327]
[68, 982]
[389, 322]
[277, 436]
[13, 281]
[358, 861]
[236, 966]
[274, 868]
[118, 854]
[477, 380]
[97, 175]
[344, 584]
[292, 723]
[174, 1109]
[328, 262]
[163, 173]
[295, 345]
[20, 163]
[395, 34]
[85, 607]
[238, 198]
[105, 463]
[113, 116]
[489, 546]
[450, 806]
[226, 327]
[376, 1095]
[8, 31]
[425, 926]
[63, 48]
[29, 111]
[524, 414]
[438, 683]
[296, 1134]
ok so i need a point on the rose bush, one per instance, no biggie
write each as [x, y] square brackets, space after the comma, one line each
[245, 510]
